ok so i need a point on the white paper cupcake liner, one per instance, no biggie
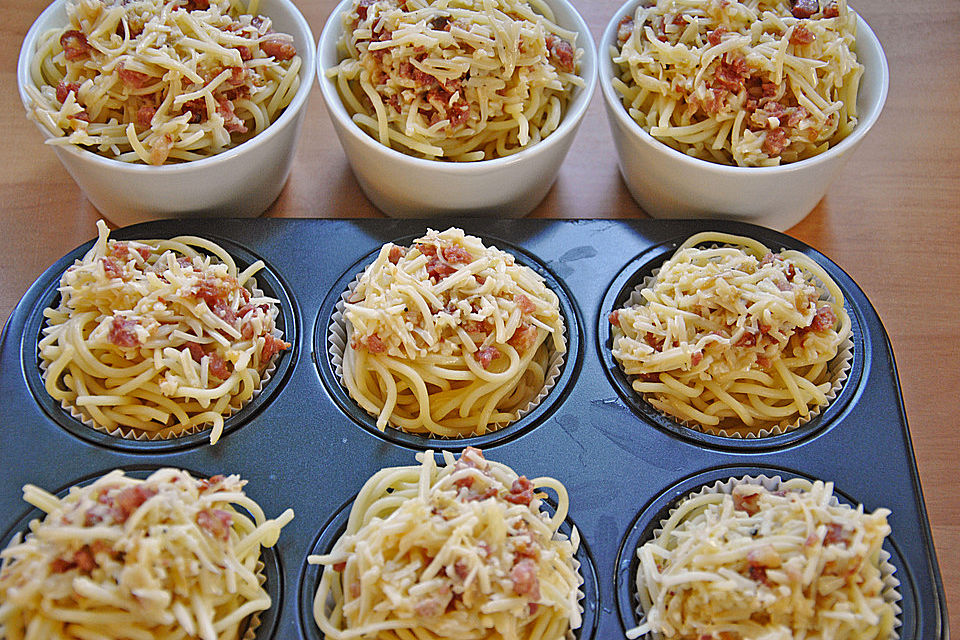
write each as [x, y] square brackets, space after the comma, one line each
[129, 433]
[839, 368]
[340, 330]
[891, 593]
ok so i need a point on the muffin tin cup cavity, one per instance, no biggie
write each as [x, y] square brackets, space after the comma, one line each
[261, 625]
[898, 587]
[334, 529]
[331, 338]
[70, 418]
[846, 367]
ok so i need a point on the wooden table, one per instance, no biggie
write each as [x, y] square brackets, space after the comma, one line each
[891, 219]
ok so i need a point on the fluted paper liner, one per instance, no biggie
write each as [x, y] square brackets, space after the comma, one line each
[128, 433]
[891, 593]
[839, 369]
[338, 338]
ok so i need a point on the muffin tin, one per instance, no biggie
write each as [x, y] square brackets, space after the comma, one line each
[304, 444]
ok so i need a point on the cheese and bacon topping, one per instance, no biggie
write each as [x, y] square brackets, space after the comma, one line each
[158, 337]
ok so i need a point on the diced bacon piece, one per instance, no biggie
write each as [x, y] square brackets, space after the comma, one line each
[133, 79]
[396, 252]
[696, 358]
[746, 498]
[75, 45]
[362, 8]
[561, 53]
[214, 291]
[521, 491]
[526, 304]
[524, 578]
[487, 355]
[211, 483]
[196, 350]
[196, 5]
[471, 458]
[763, 362]
[216, 522]
[614, 317]
[197, 109]
[340, 566]
[455, 254]
[461, 569]
[231, 121]
[801, 35]
[145, 116]
[111, 268]
[804, 8]
[716, 36]
[730, 73]
[279, 47]
[479, 496]
[83, 558]
[217, 366]
[64, 88]
[374, 344]
[765, 556]
[524, 337]
[775, 141]
[824, 319]
[441, 23]
[625, 30]
[836, 534]
[797, 115]
[458, 112]
[129, 500]
[759, 574]
[272, 346]
[80, 115]
[832, 10]
[244, 52]
[525, 546]
[429, 607]
[121, 332]
[61, 566]
[748, 339]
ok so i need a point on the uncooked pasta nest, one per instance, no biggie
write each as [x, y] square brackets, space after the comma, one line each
[462, 551]
[751, 83]
[731, 338]
[171, 556]
[449, 337]
[161, 81]
[456, 80]
[759, 558]
[158, 338]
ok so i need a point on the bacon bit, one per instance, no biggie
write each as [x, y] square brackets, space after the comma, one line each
[471, 458]
[532, 608]
[521, 491]
[197, 109]
[278, 47]
[797, 115]
[121, 332]
[525, 581]
[832, 10]
[487, 355]
[84, 560]
[111, 268]
[744, 501]
[161, 150]
[244, 52]
[374, 344]
[217, 366]
[133, 79]
[775, 141]
[525, 546]
[129, 500]
[196, 5]
[524, 337]
[561, 52]
[213, 291]
[614, 317]
[81, 115]
[75, 45]
[340, 566]
[836, 534]
[696, 358]
[625, 30]
[207, 484]
[60, 565]
[526, 304]
[489, 492]
[731, 73]
[145, 116]
[196, 350]
[458, 113]
[64, 89]
[231, 121]
[759, 574]
[801, 35]
[396, 252]
[272, 346]
[824, 319]
[715, 36]
[804, 8]
[362, 8]
[216, 522]
[763, 362]
[765, 556]
[440, 23]
[748, 339]
[429, 607]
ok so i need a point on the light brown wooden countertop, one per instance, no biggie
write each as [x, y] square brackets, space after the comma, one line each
[891, 219]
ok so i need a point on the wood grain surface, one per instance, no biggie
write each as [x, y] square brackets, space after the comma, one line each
[891, 219]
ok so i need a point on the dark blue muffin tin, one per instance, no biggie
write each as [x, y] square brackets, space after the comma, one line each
[304, 444]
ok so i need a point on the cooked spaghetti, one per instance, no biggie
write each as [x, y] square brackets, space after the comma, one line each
[449, 337]
[162, 558]
[157, 338]
[456, 80]
[158, 81]
[464, 551]
[757, 563]
[733, 337]
[751, 83]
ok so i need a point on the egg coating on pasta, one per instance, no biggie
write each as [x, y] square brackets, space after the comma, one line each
[170, 556]
[449, 337]
[158, 338]
[460, 551]
[732, 338]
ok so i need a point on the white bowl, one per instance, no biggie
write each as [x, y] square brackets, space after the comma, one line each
[404, 186]
[669, 184]
[240, 182]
